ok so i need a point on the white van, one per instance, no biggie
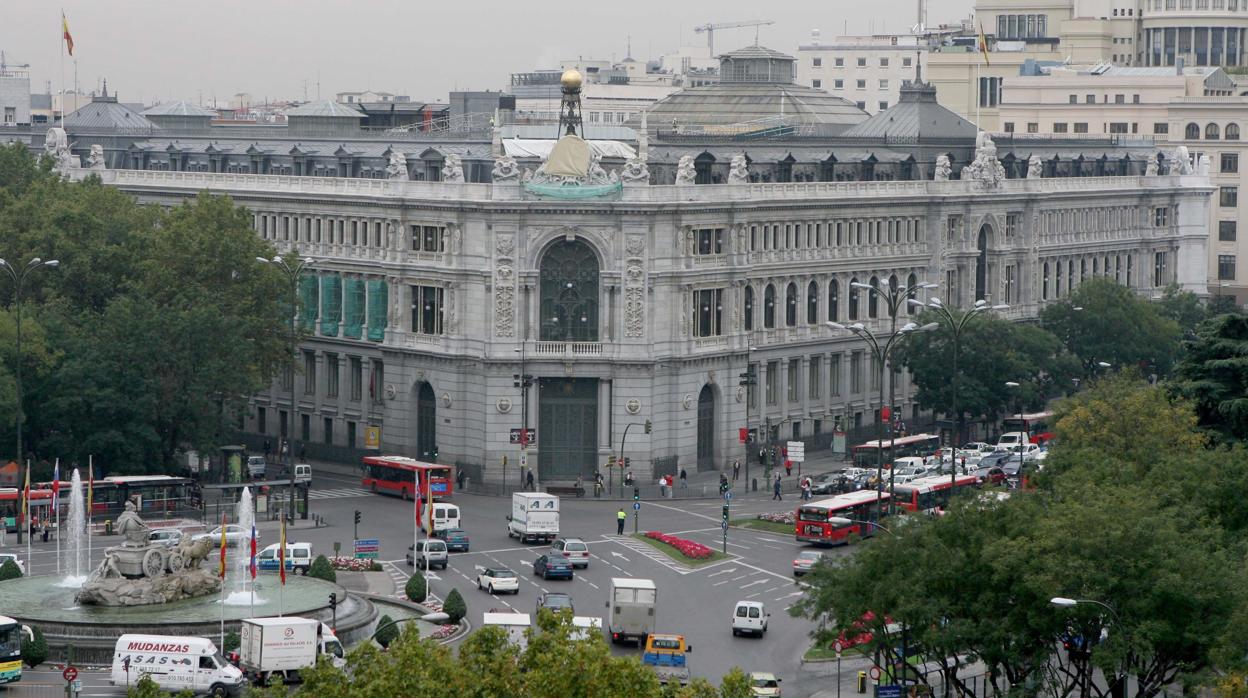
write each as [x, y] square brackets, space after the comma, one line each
[303, 472]
[298, 558]
[1010, 440]
[513, 623]
[749, 618]
[445, 517]
[175, 663]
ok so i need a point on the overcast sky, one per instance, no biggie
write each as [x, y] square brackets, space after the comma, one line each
[156, 50]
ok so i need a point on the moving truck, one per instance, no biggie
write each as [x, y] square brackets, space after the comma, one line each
[534, 516]
[176, 663]
[514, 623]
[668, 656]
[631, 609]
[284, 646]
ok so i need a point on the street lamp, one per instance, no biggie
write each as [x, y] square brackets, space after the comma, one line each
[749, 380]
[18, 275]
[1063, 602]
[523, 381]
[292, 276]
[957, 323]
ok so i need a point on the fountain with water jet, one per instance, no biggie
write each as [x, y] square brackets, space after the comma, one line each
[74, 563]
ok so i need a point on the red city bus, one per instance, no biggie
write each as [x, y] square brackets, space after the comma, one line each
[931, 495]
[11, 505]
[1038, 425]
[163, 495]
[397, 475]
[922, 445]
[814, 523]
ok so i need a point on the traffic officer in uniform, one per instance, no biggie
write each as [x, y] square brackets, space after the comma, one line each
[620, 516]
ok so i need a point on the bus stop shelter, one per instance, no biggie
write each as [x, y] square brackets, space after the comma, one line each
[269, 497]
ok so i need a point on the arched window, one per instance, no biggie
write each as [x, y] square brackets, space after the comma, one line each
[873, 299]
[1044, 290]
[834, 300]
[749, 308]
[769, 307]
[790, 305]
[893, 287]
[1232, 132]
[569, 293]
[812, 303]
[1212, 132]
[1192, 132]
[912, 283]
[853, 299]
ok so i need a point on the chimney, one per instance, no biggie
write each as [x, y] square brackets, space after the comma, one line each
[1178, 65]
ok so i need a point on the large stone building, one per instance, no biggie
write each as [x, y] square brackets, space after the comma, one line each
[647, 298]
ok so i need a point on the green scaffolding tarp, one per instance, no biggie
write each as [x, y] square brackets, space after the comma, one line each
[352, 308]
[331, 304]
[378, 301]
[309, 297]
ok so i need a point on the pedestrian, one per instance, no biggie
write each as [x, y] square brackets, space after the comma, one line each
[267, 450]
[620, 516]
[459, 479]
[303, 451]
[628, 478]
[788, 468]
[684, 479]
[777, 489]
[736, 470]
[285, 447]
[663, 486]
[528, 481]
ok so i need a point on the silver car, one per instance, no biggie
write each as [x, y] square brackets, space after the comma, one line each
[168, 537]
[430, 554]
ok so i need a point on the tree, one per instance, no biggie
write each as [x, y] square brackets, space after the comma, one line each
[416, 589]
[1113, 325]
[454, 607]
[321, 569]
[495, 662]
[1184, 307]
[387, 631]
[231, 642]
[735, 684]
[9, 570]
[35, 649]
[1214, 375]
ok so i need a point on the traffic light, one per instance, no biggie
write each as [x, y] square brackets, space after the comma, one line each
[357, 516]
[434, 454]
[636, 494]
[611, 461]
[725, 512]
[333, 600]
[628, 462]
[515, 380]
[649, 426]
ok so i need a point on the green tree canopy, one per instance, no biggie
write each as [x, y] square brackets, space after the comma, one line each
[1115, 326]
[1214, 375]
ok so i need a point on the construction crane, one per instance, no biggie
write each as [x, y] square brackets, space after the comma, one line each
[4, 64]
[710, 28]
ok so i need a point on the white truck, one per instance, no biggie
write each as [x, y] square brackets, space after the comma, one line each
[283, 646]
[631, 610]
[514, 624]
[534, 517]
[175, 663]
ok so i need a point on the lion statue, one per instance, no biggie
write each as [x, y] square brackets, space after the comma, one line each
[194, 551]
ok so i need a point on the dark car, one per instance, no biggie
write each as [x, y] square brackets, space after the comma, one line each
[456, 540]
[831, 483]
[994, 459]
[555, 601]
[991, 476]
[552, 566]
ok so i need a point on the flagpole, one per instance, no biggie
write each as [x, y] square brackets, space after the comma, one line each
[61, 40]
[977, 97]
[90, 502]
[29, 530]
[56, 504]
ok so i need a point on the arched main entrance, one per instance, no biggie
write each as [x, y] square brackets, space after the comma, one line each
[426, 423]
[706, 428]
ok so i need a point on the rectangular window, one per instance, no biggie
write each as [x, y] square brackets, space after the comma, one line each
[357, 377]
[817, 62]
[1010, 291]
[288, 378]
[752, 389]
[816, 84]
[875, 374]
[1118, 127]
[1074, 99]
[331, 375]
[262, 420]
[792, 379]
[1120, 99]
[328, 431]
[1009, 127]
[1159, 269]
[906, 62]
[305, 427]
[1161, 217]
[838, 84]
[427, 309]
[1081, 127]
[1161, 128]
[815, 381]
[773, 368]
[309, 373]
[1033, 127]
[708, 313]
[883, 62]
[1229, 163]
[1226, 267]
[883, 84]
[861, 84]
[709, 241]
[1060, 127]
[883, 106]
[1228, 197]
[1227, 231]
[838, 62]
[350, 434]
[855, 373]
[1089, 99]
[1011, 223]
[989, 92]
[376, 381]
[834, 375]
[862, 62]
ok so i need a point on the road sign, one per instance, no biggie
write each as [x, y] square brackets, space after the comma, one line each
[524, 459]
[367, 548]
[70, 673]
[874, 673]
[838, 647]
[723, 526]
[515, 436]
[372, 437]
[727, 495]
[636, 506]
[890, 690]
[797, 451]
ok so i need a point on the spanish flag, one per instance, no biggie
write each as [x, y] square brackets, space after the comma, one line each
[69, 39]
[224, 521]
[281, 552]
[982, 44]
[90, 485]
[25, 499]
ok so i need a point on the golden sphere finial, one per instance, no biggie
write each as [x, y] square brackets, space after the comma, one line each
[571, 79]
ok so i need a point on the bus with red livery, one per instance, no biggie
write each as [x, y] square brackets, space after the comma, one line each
[866, 455]
[931, 495]
[814, 519]
[11, 506]
[1038, 425]
[397, 475]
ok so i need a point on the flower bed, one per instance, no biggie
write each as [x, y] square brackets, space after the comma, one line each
[354, 564]
[444, 631]
[688, 548]
[788, 517]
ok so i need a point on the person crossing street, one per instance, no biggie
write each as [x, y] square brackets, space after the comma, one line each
[777, 489]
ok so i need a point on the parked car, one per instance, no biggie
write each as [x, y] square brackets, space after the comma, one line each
[574, 550]
[994, 459]
[552, 565]
[806, 561]
[497, 579]
[1011, 440]
[764, 685]
[978, 447]
[555, 601]
[1031, 452]
[255, 466]
[168, 537]
[298, 558]
[456, 539]
[235, 535]
[831, 483]
[994, 475]
[430, 554]
[749, 618]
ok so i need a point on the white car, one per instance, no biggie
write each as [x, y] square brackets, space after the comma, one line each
[235, 535]
[5, 557]
[168, 537]
[574, 549]
[497, 579]
[1010, 440]
[1031, 452]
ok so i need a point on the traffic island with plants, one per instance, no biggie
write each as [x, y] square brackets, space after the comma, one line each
[680, 549]
[354, 564]
[780, 522]
[321, 569]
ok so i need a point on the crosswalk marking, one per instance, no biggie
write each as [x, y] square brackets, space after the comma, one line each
[339, 493]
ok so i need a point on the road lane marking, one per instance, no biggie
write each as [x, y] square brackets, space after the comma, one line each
[588, 582]
[723, 582]
[753, 583]
[752, 595]
[742, 576]
[615, 554]
[716, 574]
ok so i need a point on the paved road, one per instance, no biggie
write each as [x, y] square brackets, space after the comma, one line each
[695, 602]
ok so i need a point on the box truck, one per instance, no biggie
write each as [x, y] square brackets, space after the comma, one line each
[176, 663]
[534, 517]
[284, 646]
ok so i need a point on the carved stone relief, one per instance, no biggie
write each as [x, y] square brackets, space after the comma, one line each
[634, 311]
[635, 245]
[504, 301]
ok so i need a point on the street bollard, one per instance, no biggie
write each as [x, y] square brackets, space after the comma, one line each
[862, 682]
[754, 484]
[108, 527]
